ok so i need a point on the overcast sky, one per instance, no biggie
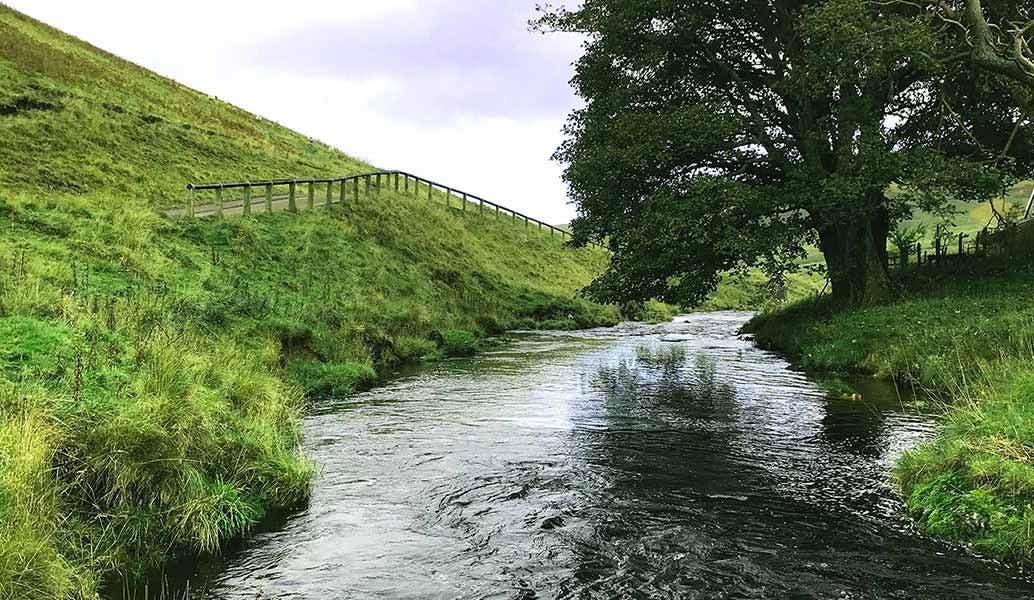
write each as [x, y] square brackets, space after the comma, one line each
[456, 90]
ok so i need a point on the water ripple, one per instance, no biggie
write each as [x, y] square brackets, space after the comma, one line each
[559, 465]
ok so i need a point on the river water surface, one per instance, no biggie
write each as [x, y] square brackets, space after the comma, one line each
[599, 465]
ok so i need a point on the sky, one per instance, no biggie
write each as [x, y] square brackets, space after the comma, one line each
[459, 91]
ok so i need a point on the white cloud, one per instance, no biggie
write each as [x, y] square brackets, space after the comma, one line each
[212, 46]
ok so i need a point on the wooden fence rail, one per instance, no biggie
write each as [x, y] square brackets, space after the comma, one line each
[946, 246]
[322, 192]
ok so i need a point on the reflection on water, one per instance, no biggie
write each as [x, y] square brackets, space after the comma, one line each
[675, 461]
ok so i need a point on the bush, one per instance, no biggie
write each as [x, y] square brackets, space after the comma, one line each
[457, 342]
[332, 379]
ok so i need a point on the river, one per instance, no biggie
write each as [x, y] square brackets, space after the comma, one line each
[669, 461]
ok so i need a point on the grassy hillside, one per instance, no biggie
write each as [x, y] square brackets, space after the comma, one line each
[152, 371]
[966, 335]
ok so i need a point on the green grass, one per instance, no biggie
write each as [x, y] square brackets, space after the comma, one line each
[153, 371]
[457, 342]
[754, 291]
[970, 218]
[965, 333]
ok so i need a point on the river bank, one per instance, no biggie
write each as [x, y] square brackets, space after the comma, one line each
[674, 460]
[966, 334]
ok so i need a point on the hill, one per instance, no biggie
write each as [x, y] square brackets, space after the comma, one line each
[153, 370]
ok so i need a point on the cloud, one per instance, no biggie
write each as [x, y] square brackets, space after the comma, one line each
[447, 59]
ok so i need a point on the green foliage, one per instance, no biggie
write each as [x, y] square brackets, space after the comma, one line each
[332, 379]
[698, 153]
[905, 238]
[457, 342]
[651, 311]
[968, 336]
[755, 291]
[147, 401]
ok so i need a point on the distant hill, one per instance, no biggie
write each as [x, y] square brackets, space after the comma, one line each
[971, 218]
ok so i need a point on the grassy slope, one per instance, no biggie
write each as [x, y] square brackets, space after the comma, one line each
[966, 334]
[152, 371]
[754, 291]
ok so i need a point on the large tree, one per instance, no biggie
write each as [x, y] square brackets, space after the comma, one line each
[720, 135]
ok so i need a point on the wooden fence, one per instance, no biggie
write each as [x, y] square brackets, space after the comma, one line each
[946, 246]
[248, 197]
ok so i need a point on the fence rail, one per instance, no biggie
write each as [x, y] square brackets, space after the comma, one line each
[274, 196]
[948, 245]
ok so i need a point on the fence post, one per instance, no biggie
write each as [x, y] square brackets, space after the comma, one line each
[961, 249]
[396, 183]
[312, 195]
[190, 200]
[464, 200]
[405, 180]
[919, 254]
[430, 189]
[269, 198]
[378, 183]
[448, 198]
[344, 185]
[292, 204]
[247, 199]
[481, 206]
[357, 190]
[496, 212]
[330, 192]
[219, 201]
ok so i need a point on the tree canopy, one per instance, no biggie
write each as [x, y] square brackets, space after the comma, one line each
[721, 135]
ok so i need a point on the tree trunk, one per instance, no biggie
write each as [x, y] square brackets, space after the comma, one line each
[856, 256]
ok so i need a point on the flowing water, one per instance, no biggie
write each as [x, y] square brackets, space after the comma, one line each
[601, 464]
